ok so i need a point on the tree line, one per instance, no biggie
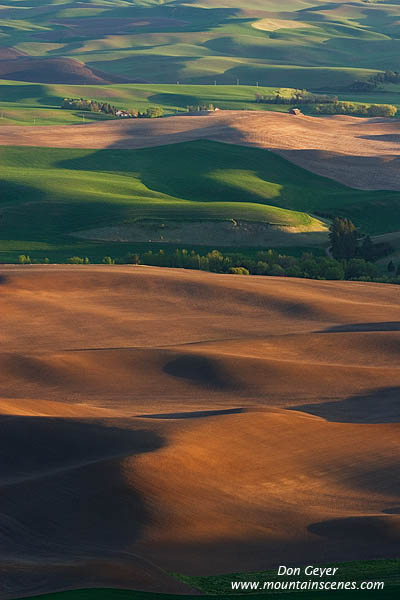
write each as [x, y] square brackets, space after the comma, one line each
[296, 97]
[353, 108]
[323, 104]
[109, 109]
[265, 262]
[351, 257]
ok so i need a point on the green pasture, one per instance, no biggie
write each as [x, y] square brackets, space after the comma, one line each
[23, 103]
[48, 193]
[219, 586]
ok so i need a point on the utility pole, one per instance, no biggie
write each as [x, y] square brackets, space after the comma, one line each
[237, 82]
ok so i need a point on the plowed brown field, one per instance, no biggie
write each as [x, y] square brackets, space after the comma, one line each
[160, 420]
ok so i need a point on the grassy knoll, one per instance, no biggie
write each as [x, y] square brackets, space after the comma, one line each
[387, 571]
[47, 193]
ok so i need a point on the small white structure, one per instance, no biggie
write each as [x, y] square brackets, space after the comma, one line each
[121, 113]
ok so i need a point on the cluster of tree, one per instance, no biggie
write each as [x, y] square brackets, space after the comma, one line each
[77, 260]
[154, 112]
[367, 85]
[73, 260]
[109, 109]
[346, 242]
[343, 236]
[89, 106]
[296, 97]
[354, 108]
[386, 77]
[200, 107]
[25, 259]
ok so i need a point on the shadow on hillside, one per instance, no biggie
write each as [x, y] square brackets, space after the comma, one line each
[381, 405]
[358, 529]
[201, 370]
[387, 137]
[166, 68]
[364, 327]
[188, 172]
[18, 93]
[63, 488]
[194, 414]
[194, 171]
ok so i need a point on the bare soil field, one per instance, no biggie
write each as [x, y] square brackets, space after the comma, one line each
[160, 420]
[361, 153]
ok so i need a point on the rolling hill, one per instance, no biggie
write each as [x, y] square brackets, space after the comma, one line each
[314, 44]
[168, 421]
[142, 173]
[48, 194]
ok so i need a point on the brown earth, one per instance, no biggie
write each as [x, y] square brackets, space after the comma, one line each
[159, 420]
[361, 153]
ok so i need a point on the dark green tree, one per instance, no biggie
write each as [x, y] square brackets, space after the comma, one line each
[367, 248]
[343, 237]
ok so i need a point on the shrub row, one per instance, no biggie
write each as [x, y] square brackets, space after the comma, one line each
[266, 262]
[354, 108]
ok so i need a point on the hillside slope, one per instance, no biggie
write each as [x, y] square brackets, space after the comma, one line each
[192, 422]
